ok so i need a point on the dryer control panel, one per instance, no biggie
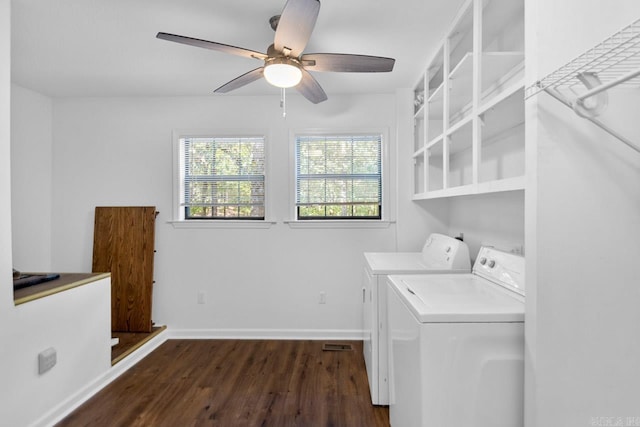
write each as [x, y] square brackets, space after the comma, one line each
[446, 252]
[500, 267]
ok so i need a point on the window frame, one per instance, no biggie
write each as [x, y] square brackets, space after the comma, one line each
[179, 220]
[385, 203]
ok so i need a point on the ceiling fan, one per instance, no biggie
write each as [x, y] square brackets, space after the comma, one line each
[284, 63]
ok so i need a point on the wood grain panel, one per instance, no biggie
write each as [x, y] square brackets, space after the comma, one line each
[123, 244]
[237, 383]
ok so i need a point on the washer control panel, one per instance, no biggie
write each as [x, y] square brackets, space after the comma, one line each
[505, 269]
[446, 252]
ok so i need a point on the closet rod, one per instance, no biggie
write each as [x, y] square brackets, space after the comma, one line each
[613, 62]
[596, 122]
[606, 86]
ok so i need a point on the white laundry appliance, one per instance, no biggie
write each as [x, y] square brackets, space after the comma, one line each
[439, 254]
[456, 346]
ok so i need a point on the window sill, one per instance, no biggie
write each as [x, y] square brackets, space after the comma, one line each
[349, 223]
[205, 223]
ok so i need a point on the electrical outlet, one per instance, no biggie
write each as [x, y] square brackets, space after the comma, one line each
[202, 298]
[323, 297]
[46, 360]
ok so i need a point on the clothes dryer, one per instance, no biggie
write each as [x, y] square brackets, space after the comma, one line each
[439, 254]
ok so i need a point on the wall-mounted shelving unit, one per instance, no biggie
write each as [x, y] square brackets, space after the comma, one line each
[582, 84]
[469, 105]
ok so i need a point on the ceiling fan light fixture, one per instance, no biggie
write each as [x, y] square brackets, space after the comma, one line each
[282, 72]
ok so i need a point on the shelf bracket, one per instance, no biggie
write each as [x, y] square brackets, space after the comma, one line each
[615, 60]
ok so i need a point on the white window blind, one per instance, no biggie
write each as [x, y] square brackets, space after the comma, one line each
[223, 178]
[338, 177]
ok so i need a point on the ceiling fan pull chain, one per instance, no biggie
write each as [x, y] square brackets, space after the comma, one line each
[283, 103]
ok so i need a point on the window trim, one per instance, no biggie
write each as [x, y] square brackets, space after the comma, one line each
[386, 216]
[178, 215]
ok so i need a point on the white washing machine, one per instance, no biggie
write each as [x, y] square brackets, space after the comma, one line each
[456, 346]
[439, 254]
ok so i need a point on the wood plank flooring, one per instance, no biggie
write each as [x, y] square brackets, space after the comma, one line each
[131, 341]
[238, 383]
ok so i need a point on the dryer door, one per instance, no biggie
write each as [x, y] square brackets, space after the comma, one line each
[370, 331]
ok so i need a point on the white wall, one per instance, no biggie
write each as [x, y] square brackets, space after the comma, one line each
[489, 220]
[7, 314]
[77, 324]
[83, 347]
[6, 291]
[583, 223]
[31, 175]
[256, 281]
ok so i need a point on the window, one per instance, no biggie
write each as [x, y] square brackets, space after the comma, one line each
[222, 177]
[338, 177]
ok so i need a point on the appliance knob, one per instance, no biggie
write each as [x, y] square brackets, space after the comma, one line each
[492, 264]
[483, 261]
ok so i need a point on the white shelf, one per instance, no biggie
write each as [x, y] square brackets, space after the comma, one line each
[459, 124]
[435, 103]
[419, 152]
[496, 65]
[435, 141]
[493, 101]
[500, 13]
[479, 116]
[461, 85]
[436, 96]
[509, 184]
[460, 139]
[500, 185]
[502, 116]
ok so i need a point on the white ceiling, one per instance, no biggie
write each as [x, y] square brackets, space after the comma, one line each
[68, 48]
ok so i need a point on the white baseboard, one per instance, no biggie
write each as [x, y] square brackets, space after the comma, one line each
[56, 414]
[267, 334]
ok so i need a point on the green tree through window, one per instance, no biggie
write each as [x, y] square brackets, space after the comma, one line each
[339, 177]
[223, 177]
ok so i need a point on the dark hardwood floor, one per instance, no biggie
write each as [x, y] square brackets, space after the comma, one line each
[238, 383]
[131, 341]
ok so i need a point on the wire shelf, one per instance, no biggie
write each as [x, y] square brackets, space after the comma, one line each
[611, 59]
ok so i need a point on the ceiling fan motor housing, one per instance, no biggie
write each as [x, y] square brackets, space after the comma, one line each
[273, 21]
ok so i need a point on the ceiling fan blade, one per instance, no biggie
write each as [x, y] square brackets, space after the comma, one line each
[310, 88]
[295, 26]
[342, 62]
[233, 50]
[240, 81]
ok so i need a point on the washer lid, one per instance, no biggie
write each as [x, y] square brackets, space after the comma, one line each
[440, 254]
[405, 263]
[464, 298]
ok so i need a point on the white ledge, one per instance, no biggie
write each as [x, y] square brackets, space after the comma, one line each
[337, 223]
[225, 223]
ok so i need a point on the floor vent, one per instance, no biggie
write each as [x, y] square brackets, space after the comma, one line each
[336, 347]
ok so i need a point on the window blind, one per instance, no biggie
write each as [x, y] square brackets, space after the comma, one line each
[339, 177]
[223, 177]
